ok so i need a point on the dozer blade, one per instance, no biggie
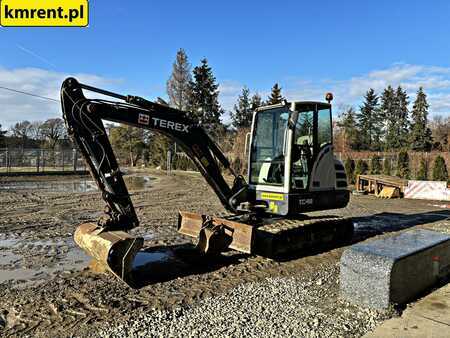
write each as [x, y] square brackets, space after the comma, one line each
[216, 234]
[115, 249]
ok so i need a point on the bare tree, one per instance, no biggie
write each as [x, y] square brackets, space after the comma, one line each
[178, 83]
[22, 131]
[53, 131]
[36, 131]
[440, 128]
[128, 142]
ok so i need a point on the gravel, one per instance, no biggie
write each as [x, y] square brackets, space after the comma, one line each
[275, 307]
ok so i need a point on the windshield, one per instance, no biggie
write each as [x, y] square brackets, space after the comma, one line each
[267, 159]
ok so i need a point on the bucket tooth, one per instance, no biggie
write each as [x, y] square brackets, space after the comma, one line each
[115, 249]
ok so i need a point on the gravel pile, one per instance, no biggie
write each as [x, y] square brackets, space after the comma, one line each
[276, 307]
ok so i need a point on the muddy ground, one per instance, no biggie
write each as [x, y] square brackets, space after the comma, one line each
[48, 287]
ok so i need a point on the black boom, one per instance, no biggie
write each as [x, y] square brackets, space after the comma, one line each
[83, 118]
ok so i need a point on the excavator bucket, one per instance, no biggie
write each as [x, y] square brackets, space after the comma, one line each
[114, 249]
[216, 234]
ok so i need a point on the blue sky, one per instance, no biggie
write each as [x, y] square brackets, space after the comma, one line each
[308, 47]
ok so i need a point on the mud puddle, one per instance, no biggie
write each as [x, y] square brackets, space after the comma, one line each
[390, 222]
[30, 261]
[51, 186]
[143, 259]
[133, 182]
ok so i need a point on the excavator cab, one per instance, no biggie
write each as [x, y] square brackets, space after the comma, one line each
[291, 165]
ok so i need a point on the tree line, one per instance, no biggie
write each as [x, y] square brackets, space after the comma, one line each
[196, 92]
[385, 123]
[398, 165]
[48, 134]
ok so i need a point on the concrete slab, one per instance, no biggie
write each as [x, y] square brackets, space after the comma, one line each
[394, 270]
[429, 317]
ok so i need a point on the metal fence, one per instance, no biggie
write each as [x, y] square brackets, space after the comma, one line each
[40, 160]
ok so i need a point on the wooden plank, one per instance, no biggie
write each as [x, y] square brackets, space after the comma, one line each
[371, 180]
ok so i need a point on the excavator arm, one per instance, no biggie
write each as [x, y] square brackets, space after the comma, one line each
[83, 118]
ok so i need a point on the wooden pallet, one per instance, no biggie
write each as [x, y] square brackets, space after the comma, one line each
[375, 184]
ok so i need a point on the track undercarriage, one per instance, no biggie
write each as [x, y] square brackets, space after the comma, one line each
[268, 237]
[274, 238]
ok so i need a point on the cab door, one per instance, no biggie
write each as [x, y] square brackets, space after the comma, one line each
[269, 168]
[302, 151]
[323, 172]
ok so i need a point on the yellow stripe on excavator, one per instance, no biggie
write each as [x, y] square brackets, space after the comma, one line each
[272, 196]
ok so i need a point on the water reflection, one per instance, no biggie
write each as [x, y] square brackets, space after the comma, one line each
[133, 183]
[143, 258]
[58, 255]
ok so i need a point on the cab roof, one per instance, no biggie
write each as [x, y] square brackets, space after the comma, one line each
[298, 105]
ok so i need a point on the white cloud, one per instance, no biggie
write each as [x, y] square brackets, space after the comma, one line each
[229, 92]
[435, 81]
[18, 107]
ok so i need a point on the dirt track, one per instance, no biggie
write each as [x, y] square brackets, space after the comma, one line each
[66, 300]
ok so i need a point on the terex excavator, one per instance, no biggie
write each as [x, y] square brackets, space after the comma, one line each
[291, 170]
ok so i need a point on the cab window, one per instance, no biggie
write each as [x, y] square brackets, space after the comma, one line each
[324, 134]
[267, 158]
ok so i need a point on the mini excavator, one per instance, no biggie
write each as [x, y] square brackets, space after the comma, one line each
[291, 170]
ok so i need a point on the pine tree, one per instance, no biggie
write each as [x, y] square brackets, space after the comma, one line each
[388, 113]
[387, 166]
[256, 101]
[369, 122]
[349, 166]
[397, 119]
[361, 168]
[403, 117]
[422, 173]
[351, 134]
[204, 97]
[178, 83]
[2, 136]
[420, 139]
[375, 165]
[440, 172]
[242, 114]
[275, 96]
[403, 164]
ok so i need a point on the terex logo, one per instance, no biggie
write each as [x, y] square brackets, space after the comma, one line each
[170, 125]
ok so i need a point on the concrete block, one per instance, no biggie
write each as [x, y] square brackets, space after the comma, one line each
[394, 270]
